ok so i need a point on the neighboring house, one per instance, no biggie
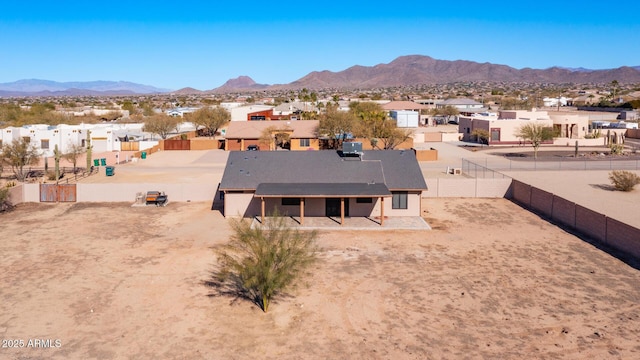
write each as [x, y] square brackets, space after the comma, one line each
[180, 111]
[292, 109]
[104, 137]
[269, 135]
[376, 183]
[241, 113]
[265, 115]
[553, 102]
[404, 105]
[464, 106]
[502, 128]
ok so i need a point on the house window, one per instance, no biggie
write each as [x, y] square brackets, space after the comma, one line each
[44, 143]
[304, 142]
[364, 200]
[495, 134]
[26, 139]
[0, 143]
[290, 201]
[399, 199]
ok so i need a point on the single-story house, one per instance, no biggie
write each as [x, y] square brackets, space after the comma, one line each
[502, 128]
[404, 105]
[326, 183]
[271, 135]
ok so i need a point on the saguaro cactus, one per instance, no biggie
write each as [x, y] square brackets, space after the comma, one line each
[89, 147]
[57, 155]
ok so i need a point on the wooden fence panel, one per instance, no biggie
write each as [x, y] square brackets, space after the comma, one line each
[130, 146]
[58, 193]
[66, 193]
[177, 145]
[48, 192]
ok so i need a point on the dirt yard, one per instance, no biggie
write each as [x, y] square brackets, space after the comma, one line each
[491, 280]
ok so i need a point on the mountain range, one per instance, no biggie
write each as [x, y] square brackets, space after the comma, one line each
[403, 71]
[37, 87]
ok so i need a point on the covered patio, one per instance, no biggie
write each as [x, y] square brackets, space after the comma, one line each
[336, 196]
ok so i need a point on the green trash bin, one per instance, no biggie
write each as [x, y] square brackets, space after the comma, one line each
[143, 155]
[110, 170]
[103, 162]
[96, 162]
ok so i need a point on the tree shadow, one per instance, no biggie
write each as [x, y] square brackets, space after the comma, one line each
[606, 187]
[230, 285]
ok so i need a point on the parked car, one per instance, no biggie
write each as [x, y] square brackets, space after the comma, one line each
[253, 148]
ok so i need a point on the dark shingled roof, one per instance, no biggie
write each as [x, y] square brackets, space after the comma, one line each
[322, 190]
[397, 169]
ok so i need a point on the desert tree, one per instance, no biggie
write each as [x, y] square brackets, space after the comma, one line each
[371, 121]
[448, 112]
[536, 133]
[276, 136]
[211, 119]
[73, 153]
[261, 262]
[481, 136]
[160, 124]
[390, 136]
[18, 154]
[335, 125]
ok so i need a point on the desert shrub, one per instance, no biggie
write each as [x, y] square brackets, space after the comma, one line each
[617, 149]
[259, 262]
[624, 180]
[593, 135]
[5, 204]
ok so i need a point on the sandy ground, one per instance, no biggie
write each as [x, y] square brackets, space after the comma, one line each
[491, 280]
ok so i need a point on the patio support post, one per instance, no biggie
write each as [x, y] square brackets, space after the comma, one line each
[341, 211]
[381, 210]
[301, 211]
[242, 145]
[262, 210]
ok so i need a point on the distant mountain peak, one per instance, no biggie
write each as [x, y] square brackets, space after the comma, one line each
[242, 82]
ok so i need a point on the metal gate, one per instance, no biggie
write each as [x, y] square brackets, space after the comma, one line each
[57, 192]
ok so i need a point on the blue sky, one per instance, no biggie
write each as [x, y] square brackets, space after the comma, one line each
[202, 44]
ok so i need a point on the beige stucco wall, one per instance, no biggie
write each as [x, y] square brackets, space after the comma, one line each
[240, 205]
[413, 206]
[314, 144]
[127, 192]
[509, 127]
[458, 186]
[246, 205]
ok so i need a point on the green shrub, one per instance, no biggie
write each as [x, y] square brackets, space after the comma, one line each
[617, 149]
[624, 180]
[5, 204]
